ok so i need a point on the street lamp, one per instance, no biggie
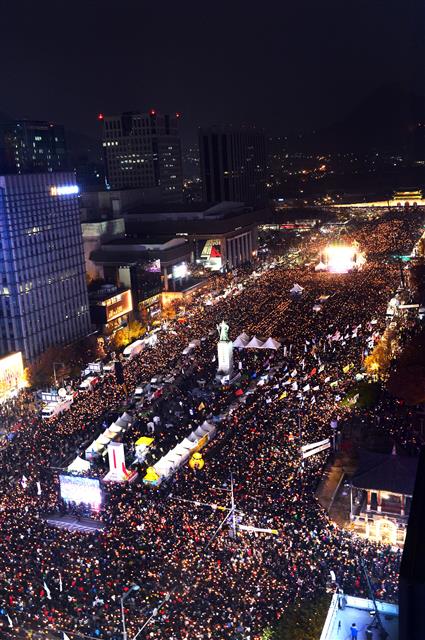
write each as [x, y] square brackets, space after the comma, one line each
[54, 371]
[134, 587]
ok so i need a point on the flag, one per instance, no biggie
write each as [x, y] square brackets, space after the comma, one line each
[346, 369]
[313, 372]
[334, 384]
[38, 489]
[327, 379]
[60, 583]
[294, 386]
[293, 373]
[316, 388]
[9, 619]
[65, 636]
[322, 366]
[283, 395]
[201, 406]
[313, 400]
[24, 482]
[47, 590]
[306, 388]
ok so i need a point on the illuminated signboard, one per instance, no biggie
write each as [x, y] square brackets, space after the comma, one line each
[118, 305]
[77, 489]
[180, 271]
[66, 190]
[154, 266]
[11, 373]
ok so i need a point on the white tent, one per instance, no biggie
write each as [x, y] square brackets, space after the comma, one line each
[115, 428]
[244, 336]
[79, 465]
[239, 343]
[254, 343]
[270, 343]
[297, 289]
[320, 267]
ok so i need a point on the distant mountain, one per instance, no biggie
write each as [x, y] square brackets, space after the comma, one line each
[389, 120]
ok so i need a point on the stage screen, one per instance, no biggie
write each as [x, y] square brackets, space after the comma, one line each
[77, 489]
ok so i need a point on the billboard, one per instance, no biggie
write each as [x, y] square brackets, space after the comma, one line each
[11, 373]
[118, 305]
[81, 490]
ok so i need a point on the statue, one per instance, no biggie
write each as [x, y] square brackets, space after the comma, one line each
[223, 331]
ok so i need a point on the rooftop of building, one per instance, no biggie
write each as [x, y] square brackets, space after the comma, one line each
[386, 472]
[207, 209]
[146, 240]
[105, 292]
[358, 611]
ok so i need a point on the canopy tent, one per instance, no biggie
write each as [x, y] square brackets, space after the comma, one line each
[110, 434]
[270, 343]
[254, 343]
[115, 428]
[95, 449]
[239, 343]
[296, 289]
[79, 465]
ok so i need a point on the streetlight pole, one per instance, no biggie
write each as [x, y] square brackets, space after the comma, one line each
[134, 587]
[54, 371]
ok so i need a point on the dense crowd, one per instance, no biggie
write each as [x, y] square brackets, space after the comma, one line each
[165, 539]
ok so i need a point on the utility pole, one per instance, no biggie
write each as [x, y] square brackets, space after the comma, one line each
[232, 506]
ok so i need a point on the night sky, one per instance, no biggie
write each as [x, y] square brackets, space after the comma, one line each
[286, 66]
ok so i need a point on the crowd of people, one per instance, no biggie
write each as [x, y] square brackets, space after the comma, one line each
[200, 578]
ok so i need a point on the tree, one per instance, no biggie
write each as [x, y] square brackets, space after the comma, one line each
[40, 373]
[407, 379]
[304, 620]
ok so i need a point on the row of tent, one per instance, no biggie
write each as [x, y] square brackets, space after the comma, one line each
[243, 341]
[174, 459]
[99, 446]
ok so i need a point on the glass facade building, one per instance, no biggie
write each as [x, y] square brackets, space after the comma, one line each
[142, 150]
[43, 292]
[32, 146]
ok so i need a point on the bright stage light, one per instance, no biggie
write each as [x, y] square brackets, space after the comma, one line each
[342, 258]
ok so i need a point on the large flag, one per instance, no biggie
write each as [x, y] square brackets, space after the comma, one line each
[47, 590]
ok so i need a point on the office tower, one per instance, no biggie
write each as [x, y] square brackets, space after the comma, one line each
[32, 146]
[43, 293]
[233, 164]
[143, 150]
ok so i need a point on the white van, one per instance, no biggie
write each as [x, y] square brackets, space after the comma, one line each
[54, 409]
[88, 384]
[133, 349]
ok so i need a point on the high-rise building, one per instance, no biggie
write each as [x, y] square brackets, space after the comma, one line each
[32, 146]
[43, 292]
[233, 164]
[143, 150]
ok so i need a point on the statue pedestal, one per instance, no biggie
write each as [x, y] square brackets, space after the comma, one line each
[225, 358]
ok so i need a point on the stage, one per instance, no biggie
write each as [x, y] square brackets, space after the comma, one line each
[72, 523]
